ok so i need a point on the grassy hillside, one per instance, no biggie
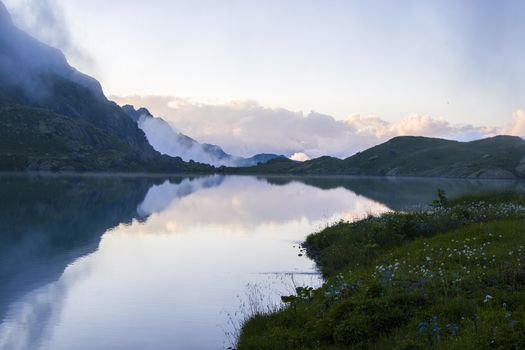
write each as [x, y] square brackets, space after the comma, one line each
[492, 157]
[450, 278]
[37, 139]
[497, 157]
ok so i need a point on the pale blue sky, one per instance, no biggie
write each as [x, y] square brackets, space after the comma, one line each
[463, 60]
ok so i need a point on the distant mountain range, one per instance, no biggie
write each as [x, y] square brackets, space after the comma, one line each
[501, 157]
[165, 139]
[54, 118]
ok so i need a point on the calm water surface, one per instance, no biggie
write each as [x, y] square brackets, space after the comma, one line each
[100, 262]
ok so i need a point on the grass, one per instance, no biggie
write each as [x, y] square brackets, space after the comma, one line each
[449, 278]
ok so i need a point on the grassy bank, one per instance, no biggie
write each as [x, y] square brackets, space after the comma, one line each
[449, 278]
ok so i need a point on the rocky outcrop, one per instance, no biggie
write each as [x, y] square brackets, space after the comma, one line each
[493, 173]
[520, 169]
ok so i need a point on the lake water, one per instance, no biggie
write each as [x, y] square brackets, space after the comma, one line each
[124, 262]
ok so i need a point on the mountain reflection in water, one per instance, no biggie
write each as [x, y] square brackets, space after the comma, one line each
[127, 262]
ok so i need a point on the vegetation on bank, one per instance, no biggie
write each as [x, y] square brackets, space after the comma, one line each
[452, 277]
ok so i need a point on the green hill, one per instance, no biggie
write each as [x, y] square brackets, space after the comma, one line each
[496, 157]
[39, 140]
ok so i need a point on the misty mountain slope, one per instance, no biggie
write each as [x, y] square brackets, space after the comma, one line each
[22, 57]
[37, 85]
[34, 74]
[165, 139]
[496, 157]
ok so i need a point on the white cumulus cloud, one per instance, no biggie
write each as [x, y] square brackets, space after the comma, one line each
[300, 156]
[246, 128]
[517, 126]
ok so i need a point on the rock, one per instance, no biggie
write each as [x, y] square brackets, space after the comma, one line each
[46, 165]
[520, 169]
[392, 153]
[394, 171]
[43, 128]
[32, 165]
[493, 173]
[77, 156]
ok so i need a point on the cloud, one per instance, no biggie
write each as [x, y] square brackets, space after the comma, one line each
[517, 126]
[165, 139]
[300, 156]
[159, 197]
[247, 128]
[420, 125]
[45, 20]
[240, 213]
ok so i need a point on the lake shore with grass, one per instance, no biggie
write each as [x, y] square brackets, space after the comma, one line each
[450, 277]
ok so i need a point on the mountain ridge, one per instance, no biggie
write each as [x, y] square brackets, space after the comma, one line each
[55, 118]
[38, 86]
[165, 139]
[501, 157]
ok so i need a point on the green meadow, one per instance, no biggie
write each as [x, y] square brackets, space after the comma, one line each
[451, 277]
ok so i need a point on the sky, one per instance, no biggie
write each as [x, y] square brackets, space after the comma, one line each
[449, 61]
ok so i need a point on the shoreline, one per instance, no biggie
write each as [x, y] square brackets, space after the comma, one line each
[392, 272]
[272, 175]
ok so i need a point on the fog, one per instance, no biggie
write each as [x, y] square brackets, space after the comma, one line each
[164, 138]
[26, 62]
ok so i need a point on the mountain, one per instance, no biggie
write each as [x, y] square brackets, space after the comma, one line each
[495, 157]
[55, 118]
[501, 157]
[165, 139]
[260, 158]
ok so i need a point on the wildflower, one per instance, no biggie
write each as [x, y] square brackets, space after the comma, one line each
[452, 328]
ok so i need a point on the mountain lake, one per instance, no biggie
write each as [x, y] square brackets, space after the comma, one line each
[151, 262]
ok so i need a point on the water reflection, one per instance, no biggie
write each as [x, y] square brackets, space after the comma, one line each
[159, 197]
[138, 262]
[246, 204]
[403, 193]
[47, 222]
